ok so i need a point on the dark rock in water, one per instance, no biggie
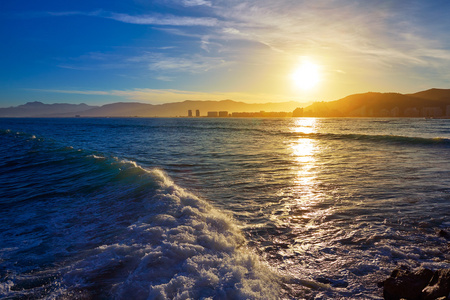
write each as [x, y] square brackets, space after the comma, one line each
[406, 284]
[333, 282]
[421, 284]
[323, 280]
[439, 286]
[443, 233]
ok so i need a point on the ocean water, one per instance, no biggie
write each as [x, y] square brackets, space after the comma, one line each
[200, 208]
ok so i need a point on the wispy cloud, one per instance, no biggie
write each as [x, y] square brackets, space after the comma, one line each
[160, 61]
[164, 78]
[389, 30]
[193, 64]
[365, 29]
[196, 3]
[157, 96]
[140, 19]
[159, 19]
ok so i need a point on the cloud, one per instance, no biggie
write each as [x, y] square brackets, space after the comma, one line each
[160, 19]
[157, 96]
[143, 19]
[196, 3]
[193, 64]
[81, 92]
[164, 78]
[162, 62]
[390, 31]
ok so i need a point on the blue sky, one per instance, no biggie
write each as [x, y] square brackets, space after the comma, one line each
[100, 51]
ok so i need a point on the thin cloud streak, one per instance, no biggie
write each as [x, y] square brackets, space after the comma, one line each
[166, 20]
[196, 3]
[157, 96]
[144, 19]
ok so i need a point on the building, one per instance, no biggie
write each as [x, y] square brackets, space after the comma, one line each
[384, 113]
[197, 113]
[432, 112]
[189, 113]
[395, 112]
[223, 114]
[213, 114]
[411, 112]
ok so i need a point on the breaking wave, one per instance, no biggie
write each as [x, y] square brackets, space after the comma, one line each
[95, 226]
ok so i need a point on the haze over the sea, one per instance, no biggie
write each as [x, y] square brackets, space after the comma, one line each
[252, 51]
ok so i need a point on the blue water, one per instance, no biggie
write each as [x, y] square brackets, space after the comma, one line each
[219, 208]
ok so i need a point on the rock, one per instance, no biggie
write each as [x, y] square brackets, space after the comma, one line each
[439, 285]
[443, 233]
[333, 282]
[421, 284]
[406, 284]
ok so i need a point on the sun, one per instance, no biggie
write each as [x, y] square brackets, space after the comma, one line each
[307, 75]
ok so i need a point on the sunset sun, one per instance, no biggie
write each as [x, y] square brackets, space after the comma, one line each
[306, 76]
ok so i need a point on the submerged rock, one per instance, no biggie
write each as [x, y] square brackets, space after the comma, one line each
[421, 284]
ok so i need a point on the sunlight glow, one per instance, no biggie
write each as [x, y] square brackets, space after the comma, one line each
[304, 125]
[307, 75]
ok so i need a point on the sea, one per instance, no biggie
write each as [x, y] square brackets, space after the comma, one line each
[220, 208]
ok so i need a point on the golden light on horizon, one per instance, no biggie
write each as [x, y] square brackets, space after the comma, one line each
[304, 125]
[306, 75]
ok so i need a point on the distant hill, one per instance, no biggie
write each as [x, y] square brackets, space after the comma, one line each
[181, 108]
[430, 103]
[133, 109]
[433, 94]
[39, 109]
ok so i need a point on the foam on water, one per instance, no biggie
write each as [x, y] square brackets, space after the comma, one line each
[133, 234]
[183, 248]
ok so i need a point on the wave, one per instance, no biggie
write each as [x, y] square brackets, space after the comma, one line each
[85, 225]
[394, 139]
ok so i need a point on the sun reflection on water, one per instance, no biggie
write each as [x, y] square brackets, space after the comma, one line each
[305, 125]
[303, 194]
[304, 184]
[303, 151]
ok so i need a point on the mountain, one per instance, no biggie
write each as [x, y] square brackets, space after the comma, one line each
[181, 108]
[430, 103]
[39, 109]
[433, 94]
[120, 109]
[134, 109]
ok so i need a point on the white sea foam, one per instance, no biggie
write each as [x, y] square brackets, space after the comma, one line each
[187, 250]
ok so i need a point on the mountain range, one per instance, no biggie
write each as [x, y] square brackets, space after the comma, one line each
[133, 109]
[432, 102]
[429, 103]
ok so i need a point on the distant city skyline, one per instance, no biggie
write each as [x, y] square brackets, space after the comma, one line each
[253, 51]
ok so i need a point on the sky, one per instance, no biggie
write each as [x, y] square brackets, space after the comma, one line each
[105, 51]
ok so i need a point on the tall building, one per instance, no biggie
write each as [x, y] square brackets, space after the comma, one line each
[189, 113]
[223, 114]
[197, 113]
